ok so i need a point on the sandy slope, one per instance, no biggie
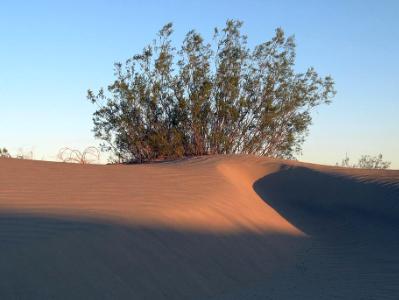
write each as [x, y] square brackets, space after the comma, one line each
[217, 227]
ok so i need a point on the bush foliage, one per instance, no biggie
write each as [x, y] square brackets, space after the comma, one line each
[208, 98]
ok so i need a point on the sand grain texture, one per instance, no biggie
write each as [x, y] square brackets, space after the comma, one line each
[235, 227]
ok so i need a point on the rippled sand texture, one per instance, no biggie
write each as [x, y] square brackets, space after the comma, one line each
[222, 227]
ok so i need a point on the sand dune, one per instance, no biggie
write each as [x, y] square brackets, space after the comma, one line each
[237, 227]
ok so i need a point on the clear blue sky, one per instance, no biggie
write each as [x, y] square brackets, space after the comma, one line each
[52, 52]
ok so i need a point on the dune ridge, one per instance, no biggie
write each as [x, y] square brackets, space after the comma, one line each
[221, 227]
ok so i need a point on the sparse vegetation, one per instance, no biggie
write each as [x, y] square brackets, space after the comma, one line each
[24, 154]
[209, 99]
[366, 162]
[4, 153]
[21, 154]
[87, 156]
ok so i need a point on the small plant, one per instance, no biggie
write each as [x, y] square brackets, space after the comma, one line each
[87, 156]
[373, 162]
[366, 162]
[4, 153]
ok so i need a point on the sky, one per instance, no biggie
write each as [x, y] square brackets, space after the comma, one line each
[51, 52]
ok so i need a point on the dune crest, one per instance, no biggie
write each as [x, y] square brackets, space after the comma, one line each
[209, 194]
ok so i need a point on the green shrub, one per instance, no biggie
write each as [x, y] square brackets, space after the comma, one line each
[203, 99]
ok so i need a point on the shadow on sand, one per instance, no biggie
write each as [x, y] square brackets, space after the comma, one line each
[309, 198]
[63, 258]
[353, 227]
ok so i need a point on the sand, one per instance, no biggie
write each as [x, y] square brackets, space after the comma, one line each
[220, 227]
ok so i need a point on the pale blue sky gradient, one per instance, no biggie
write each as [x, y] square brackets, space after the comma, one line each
[51, 52]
